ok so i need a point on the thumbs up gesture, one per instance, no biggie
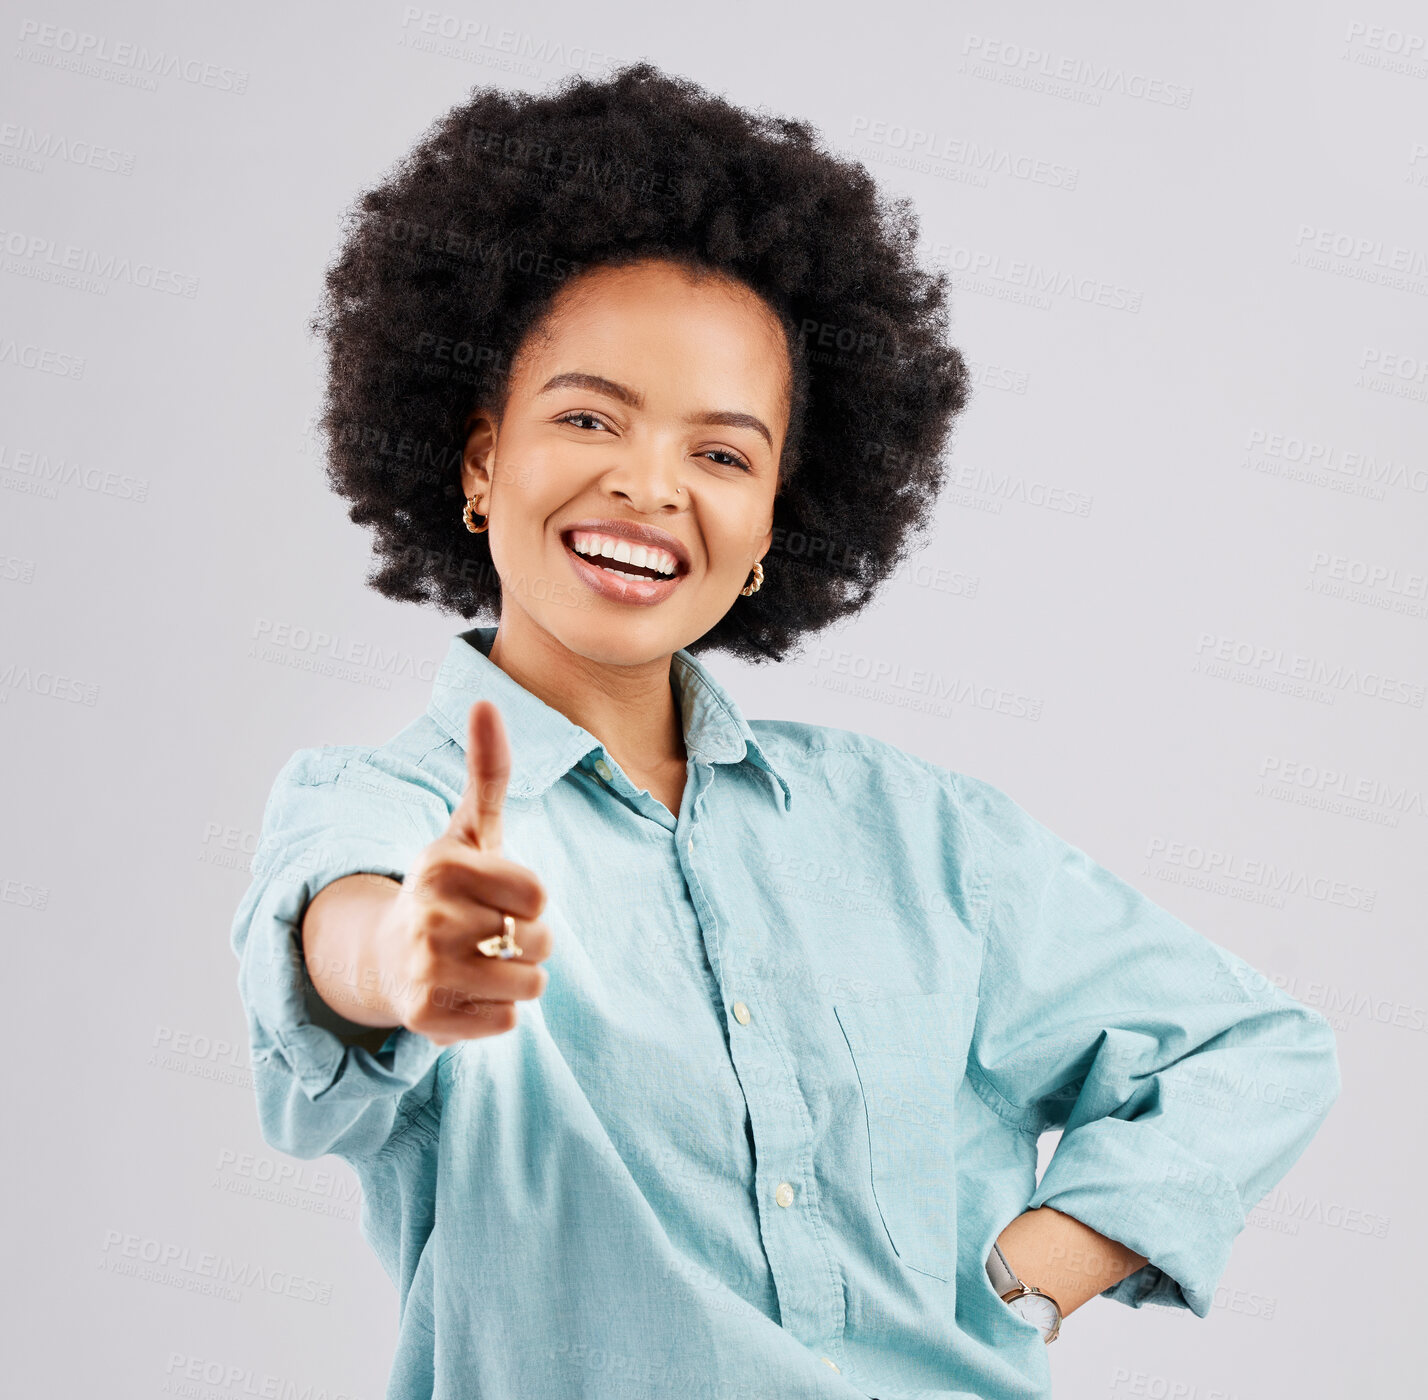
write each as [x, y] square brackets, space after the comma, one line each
[456, 894]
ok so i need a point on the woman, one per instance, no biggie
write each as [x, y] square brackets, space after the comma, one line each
[680, 1054]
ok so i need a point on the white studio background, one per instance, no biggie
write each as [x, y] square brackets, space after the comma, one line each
[1174, 603]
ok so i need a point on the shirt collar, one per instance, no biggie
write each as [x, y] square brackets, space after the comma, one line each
[545, 745]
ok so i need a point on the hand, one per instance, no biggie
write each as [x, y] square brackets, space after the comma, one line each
[455, 893]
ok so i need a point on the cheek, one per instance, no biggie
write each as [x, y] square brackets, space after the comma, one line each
[733, 550]
[548, 464]
[530, 478]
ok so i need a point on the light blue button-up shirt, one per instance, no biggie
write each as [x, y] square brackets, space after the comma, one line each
[785, 1083]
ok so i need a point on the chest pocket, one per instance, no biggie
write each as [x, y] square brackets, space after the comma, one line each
[910, 1054]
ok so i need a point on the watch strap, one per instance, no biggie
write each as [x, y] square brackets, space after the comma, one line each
[1003, 1277]
[1005, 1281]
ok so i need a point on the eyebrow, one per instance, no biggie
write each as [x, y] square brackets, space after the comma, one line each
[597, 384]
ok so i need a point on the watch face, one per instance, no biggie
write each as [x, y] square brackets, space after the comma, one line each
[1040, 1311]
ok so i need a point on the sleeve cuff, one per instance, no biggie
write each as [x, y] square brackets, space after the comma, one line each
[1130, 1182]
[276, 984]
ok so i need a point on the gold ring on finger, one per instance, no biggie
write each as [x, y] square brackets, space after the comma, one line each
[503, 944]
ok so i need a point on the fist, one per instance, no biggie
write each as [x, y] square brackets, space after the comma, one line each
[454, 895]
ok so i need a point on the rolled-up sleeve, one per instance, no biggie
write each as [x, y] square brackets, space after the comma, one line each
[331, 812]
[1184, 1082]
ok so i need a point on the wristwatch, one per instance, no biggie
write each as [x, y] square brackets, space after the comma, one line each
[1038, 1308]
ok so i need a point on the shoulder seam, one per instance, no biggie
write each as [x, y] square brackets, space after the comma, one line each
[982, 899]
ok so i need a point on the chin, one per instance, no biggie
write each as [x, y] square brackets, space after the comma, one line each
[620, 637]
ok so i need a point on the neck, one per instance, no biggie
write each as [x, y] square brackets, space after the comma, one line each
[630, 708]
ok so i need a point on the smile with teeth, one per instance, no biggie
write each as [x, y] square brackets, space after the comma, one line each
[642, 561]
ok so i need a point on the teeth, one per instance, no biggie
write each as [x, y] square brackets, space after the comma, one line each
[623, 552]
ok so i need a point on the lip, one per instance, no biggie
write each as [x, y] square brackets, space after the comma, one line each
[636, 534]
[641, 591]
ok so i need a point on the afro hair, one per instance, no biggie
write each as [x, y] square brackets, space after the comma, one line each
[450, 262]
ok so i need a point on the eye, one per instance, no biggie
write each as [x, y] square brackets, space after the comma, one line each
[734, 458]
[581, 413]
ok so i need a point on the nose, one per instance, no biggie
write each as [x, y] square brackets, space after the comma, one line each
[648, 477]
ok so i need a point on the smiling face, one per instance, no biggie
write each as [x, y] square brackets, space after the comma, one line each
[649, 412]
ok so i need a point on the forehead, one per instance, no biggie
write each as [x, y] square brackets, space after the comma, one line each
[660, 315]
[660, 283]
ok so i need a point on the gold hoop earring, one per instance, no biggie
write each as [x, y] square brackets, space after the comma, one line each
[758, 581]
[467, 514]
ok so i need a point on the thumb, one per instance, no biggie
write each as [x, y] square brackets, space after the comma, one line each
[477, 818]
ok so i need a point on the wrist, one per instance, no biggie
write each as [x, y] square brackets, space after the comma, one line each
[1064, 1257]
[346, 930]
[1030, 1302]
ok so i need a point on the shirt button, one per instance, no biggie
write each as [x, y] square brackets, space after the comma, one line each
[827, 1362]
[603, 769]
[784, 1194]
[741, 1013]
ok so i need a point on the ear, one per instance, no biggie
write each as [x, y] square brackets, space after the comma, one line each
[766, 541]
[479, 453]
